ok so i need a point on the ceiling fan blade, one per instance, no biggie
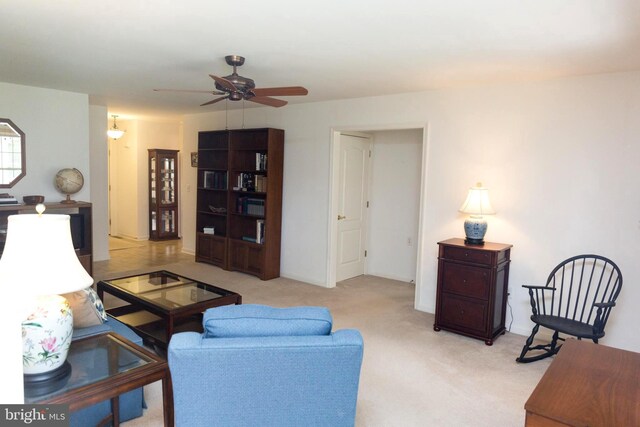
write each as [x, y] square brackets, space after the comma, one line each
[214, 101]
[224, 83]
[280, 91]
[190, 91]
[272, 102]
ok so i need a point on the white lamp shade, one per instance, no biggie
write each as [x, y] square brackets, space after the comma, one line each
[39, 258]
[477, 202]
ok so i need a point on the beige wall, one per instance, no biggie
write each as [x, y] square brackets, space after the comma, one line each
[129, 173]
[560, 159]
[56, 126]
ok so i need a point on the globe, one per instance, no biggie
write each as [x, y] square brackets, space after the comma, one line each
[69, 181]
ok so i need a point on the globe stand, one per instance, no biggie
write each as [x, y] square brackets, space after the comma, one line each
[68, 200]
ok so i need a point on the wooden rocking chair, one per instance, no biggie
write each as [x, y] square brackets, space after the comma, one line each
[577, 300]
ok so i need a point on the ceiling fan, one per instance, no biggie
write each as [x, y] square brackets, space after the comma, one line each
[236, 87]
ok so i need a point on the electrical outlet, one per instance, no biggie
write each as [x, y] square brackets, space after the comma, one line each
[408, 241]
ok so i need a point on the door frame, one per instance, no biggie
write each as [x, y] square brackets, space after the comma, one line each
[334, 182]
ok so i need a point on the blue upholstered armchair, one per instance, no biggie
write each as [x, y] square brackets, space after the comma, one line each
[262, 366]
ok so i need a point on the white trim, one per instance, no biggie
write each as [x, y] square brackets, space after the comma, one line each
[421, 216]
[333, 184]
[304, 280]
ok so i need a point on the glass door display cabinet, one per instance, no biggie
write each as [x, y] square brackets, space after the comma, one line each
[163, 194]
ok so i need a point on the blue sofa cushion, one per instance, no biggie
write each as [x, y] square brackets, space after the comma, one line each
[254, 320]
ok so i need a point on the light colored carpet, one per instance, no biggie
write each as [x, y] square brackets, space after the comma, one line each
[411, 375]
[119, 243]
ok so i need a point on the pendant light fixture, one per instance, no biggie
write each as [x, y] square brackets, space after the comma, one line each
[114, 132]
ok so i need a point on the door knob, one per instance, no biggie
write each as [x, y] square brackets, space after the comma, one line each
[341, 217]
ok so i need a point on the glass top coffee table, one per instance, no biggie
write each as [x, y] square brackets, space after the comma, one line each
[162, 303]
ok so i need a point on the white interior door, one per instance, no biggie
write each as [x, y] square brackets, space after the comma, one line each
[352, 205]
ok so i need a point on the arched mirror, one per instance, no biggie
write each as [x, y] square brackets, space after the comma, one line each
[13, 163]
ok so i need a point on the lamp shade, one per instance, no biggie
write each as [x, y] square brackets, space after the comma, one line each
[477, 202]
[39, 258]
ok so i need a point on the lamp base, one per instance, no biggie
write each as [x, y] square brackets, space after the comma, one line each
[47, 382]
[475, 227]
[469, 241]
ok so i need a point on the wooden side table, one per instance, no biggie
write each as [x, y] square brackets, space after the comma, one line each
[127, 367]
[587, 384]
[472, 288]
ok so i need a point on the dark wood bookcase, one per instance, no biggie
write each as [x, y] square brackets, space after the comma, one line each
[163, 194]
[80, 214]
[239, 201]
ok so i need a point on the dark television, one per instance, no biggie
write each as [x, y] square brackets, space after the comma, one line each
[77, 231]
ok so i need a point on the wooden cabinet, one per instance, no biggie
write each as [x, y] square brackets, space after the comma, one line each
[239, 201]
[80, 223]
[472, 288]
[163, 194]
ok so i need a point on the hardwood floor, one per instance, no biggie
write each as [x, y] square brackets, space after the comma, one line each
[140, 254]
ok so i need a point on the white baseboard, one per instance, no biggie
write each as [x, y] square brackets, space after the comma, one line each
[391, 277]
[303, 279]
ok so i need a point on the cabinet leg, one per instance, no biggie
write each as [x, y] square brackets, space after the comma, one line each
[488, 342]
[436, 328]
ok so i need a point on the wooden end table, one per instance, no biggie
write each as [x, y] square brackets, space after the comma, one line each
[587, 384]
[162, 303]
[104, 366]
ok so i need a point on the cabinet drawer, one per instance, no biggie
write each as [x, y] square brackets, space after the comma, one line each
[465, 280]
[467, 255]
[463, 314]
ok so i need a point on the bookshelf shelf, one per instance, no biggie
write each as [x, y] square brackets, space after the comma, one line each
[239, 170]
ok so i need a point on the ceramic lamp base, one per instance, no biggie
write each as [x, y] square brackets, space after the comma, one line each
[475, 227]
[46, 335]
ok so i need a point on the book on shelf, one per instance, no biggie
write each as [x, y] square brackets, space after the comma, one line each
[251, 182]
[209, 230]
[216, 180]
[261, 184]
[261, 161]
[260, 231]
[7, 199]
[250, 206]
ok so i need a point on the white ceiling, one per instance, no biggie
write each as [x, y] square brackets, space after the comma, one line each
[118, 51]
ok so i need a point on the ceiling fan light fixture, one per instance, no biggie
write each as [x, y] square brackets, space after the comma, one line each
[114, 132]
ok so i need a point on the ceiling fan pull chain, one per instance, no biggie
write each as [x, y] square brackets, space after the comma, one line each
[226, 114]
